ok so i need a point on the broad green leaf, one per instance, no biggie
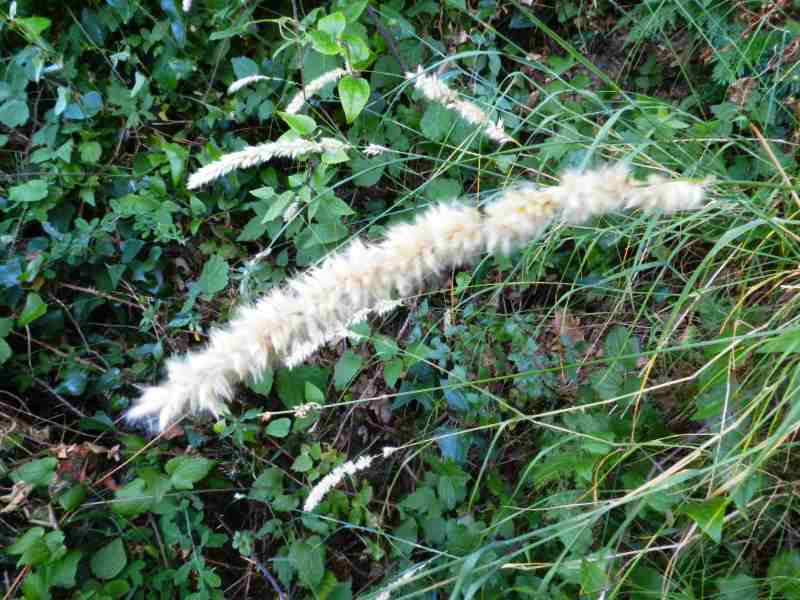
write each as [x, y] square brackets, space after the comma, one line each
[268, 485]
[302, 463]
[279, 428]
[357, 48]
[333, 24]
[348, 365]
[185, 471]
[264, 385]
[6, 325]
[25, 541]
[34, 25]
[392, 370]
[244, 67]
[5, 351]
[436, 122]
[324, 43]
[72, 497]
[32, 191]
[308, 559]
[36, 472]
[709, 516]
[353, 94]
[14, 113]
[109, 561]
[132, 499]
[62, 572]
[301, 124]
[90, 152]
[314, 394]
[214, 277]
[352, 9]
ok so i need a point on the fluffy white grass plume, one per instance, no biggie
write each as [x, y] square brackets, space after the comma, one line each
[435, 90]
[254, 155]
[240, 83]
[293, 320]
[312, 88]
[334, 478]
[187, 5]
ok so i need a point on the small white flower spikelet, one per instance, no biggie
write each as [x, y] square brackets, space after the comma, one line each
[240, 83]
[386, 593]
[334, 478]
[290, 322]
[254, 155]
[312, 88]
[435, 90]
[187, 5]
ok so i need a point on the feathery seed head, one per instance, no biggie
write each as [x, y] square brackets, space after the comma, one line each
[244, 81]
[313, 87]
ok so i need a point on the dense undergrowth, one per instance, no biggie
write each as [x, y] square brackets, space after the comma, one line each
[609, 413]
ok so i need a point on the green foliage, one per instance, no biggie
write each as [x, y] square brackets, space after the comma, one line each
[610, 412]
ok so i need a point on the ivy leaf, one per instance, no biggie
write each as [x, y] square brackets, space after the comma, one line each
[353, 94]
[214, 277]
[109, 561]
[709, 516]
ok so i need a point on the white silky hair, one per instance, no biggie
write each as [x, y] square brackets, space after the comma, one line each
[308, 310]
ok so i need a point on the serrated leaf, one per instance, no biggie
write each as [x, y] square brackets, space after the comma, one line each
[62, 573]
[185, 471]
[709, 516]
[436, 122]
[279, 428]
[214, 277]
[308, 559]
[32, 191]
[109, 561]
[301, 124]
[353, 94]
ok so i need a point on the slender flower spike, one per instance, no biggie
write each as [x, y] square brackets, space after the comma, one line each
[292, 321]
[334, 478]
[435, 90]
[254, 155]
[244, 81]
[313, 87]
